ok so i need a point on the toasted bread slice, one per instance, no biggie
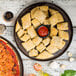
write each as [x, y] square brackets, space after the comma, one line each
[33, 53]
[46, 22]
[31, 31]
[40, 47]
[18, 27]
[33, 11]
[56, 18]
[62, 44]
[20, 32]
[46, 13]
[40, 16]
[53, 31]
[64, 35]
[37, 40]
[46, 41]
[62, 26]
[44, 55]
[57, 42]
[35, 23]
[52, 49]
[52, 11]
[28, 45]
[60, 18]
[53, 20]
[26, 21]
[25, 37]
[44, 8]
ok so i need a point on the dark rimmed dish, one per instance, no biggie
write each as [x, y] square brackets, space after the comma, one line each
[47, 26]
[17, 54]
[8, 16]
[66, 18]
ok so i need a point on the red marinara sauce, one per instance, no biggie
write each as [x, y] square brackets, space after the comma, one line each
[43, 31]
[9, 65]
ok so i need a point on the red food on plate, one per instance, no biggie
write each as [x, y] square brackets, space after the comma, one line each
[43, 31]
[8, 60]
[37, 67]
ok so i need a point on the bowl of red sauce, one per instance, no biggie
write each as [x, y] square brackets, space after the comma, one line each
[43, 31]
[10, 60]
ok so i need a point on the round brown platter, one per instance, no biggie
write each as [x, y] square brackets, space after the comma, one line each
[66, 18]
[17, 54]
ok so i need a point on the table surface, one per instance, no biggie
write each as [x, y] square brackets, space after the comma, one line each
[16, 6]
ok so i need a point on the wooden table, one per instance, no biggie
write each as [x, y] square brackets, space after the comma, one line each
[16, 6]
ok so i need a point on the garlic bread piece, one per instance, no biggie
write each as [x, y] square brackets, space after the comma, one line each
[60, 18]
[31, 31]
[57, 42]
[52, 49]
[37, 40]
[44, 55]
[26, 21]
[40, 16]
[62, 44]
[52, 11]
[18, 27]
[33, 53]
[20, 32]
[40, 47]
[56, 18]
[33, 11]
[44, 8]
[53, 31]
[64, 35]
[46, 13]
[35, 23]
[46, 41]
[62, 26]
[25, 37]
[53, 20]
[46, 22]
[28, 45]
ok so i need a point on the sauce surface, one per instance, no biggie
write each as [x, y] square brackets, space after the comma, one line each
[8, 60]
[43, 31]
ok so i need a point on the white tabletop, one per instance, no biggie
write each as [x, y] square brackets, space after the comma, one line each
[16, 6]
